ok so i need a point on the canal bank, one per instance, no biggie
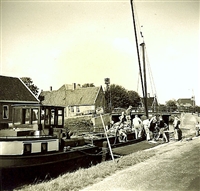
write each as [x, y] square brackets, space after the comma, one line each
[175, 167]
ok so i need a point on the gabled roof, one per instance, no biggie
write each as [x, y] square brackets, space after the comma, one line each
[64, 96]
[185, 101]
[12, 89]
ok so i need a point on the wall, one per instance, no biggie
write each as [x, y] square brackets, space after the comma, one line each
[100, 101]
[83, 110]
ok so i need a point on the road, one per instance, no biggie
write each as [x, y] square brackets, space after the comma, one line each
[176, 167]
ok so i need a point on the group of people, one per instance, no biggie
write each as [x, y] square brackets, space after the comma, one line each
[153, 127]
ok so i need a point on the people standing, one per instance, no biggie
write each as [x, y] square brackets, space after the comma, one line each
[162, 127]
[128, 116]
[177, 131]
[146, 125]
[122, 118]
[154, 126]
[197, 128]
[137, 126]
[119, 125]
[176, 122]
[128, 113]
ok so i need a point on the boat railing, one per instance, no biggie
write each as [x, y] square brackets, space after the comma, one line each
[28, 137]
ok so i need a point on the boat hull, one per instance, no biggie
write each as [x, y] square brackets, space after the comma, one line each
[19, 170]
[114, 141]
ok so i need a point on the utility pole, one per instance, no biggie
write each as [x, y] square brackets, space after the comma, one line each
[107, 82]
[193, 101]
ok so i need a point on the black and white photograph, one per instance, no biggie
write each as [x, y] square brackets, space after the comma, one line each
[99, 95]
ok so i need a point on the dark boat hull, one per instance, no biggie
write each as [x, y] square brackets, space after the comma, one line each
[19, 170]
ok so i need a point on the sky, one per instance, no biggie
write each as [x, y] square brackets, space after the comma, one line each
[65, 42]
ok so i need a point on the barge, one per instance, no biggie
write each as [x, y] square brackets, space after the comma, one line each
[37, 145]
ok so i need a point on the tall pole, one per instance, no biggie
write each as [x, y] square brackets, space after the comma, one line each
[193, 100]
[145, 79]
[137, 47]
[109, 103]
[108, 141]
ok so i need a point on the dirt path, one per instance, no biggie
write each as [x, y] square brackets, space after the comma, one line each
[176, 167]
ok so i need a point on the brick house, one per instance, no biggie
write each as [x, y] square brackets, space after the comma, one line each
[13, 91]
[75, 99]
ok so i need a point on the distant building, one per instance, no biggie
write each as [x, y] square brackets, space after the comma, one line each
[13, 91]
[186, 102]
[76, 100]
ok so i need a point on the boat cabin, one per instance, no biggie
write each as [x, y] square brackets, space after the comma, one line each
[39, 117]
[35, 129]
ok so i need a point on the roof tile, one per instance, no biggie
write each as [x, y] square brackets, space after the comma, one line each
[63, 96]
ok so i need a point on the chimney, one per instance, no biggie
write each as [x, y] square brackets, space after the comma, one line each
[73, 86]
[50, 88]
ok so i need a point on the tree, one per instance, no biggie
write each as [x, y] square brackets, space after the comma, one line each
[118, 97]
[172, 105]
[134, 98]
[88, 85]
[29, 83]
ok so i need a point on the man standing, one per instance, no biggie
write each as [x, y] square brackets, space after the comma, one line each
[137, 126]
[146, 124]
[153, 125]
[177, 130]
[197, 128]
[162, 127]
[128, 113]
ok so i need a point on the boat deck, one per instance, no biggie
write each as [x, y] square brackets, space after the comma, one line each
[128, 149]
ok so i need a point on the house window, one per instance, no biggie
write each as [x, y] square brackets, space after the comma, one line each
[77, 109]
[72, 109]
[5, 112]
